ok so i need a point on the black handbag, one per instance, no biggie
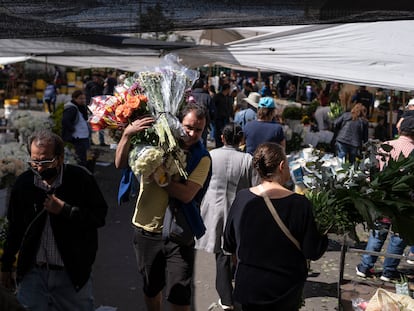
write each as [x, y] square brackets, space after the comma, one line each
[176, 228]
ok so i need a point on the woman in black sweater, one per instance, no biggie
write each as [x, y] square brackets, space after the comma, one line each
[271, 269]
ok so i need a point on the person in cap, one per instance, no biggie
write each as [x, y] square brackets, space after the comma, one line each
[250, 113]
[409, 112]
[403, 145]
[264, 128]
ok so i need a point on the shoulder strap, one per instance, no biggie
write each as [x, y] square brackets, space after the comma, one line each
[277, 218]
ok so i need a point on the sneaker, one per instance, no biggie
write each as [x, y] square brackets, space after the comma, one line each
[225, 307]
[361, 271]
[389, 276]
[409, 261]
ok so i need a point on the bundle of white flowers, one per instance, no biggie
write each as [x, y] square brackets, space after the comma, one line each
[27, 122]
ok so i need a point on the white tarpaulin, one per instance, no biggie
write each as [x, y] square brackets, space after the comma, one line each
[378, 54]
[10, 60]
[78, 54]
[127, 63]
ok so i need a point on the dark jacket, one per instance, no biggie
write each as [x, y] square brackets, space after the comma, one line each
[69, 119]
[204, 98]
[351, 132]
[74, 229]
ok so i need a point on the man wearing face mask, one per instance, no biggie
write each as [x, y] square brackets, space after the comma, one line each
[54, 212]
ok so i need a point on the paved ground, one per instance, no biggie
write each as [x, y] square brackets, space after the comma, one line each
[117, 284]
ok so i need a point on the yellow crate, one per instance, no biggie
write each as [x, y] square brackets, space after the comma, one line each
[11, 102]
[40, 84]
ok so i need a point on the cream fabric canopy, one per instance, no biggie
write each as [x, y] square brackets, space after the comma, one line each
[378, 54]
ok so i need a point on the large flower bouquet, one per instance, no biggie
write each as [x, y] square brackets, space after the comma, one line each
[344, 195]
[160, 93]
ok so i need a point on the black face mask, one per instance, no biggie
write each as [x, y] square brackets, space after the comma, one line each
[47, 174]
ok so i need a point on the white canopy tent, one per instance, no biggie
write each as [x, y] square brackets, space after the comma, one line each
[378, 54]
[127, 63]
[4, 60]
[79, 54]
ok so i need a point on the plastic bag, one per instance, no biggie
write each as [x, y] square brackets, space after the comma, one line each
[384, 300]
[359, 304]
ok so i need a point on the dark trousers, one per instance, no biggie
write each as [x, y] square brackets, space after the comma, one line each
[291, 301]
[81, 149]
[224, 278]
[51, 105]
[219, 126]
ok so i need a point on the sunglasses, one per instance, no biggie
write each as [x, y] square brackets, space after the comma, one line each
[43, 163]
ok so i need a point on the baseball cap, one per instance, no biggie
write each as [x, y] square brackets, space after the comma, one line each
[266, 102]
[407, 125]
[410, 103]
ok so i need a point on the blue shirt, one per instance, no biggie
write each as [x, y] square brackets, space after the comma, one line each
[258, 132]
[244, 116]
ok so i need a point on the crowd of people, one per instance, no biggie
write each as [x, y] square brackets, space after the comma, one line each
[235, 201]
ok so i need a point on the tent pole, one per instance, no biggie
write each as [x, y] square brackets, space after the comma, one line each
[403, 100]
[390, 115]
[46, 65]
[297, 90]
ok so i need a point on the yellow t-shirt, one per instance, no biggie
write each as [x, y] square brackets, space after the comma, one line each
[153, 199]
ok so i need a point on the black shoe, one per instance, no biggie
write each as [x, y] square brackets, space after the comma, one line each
[388, 276]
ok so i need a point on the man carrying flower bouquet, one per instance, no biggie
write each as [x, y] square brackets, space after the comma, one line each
[155, 256]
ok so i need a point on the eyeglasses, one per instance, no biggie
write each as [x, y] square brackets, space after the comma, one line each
[43, 163]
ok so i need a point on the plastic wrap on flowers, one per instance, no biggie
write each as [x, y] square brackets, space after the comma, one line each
[165, 88]
[103, 113]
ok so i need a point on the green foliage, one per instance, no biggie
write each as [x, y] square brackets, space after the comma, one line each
[360, 194]
[332, 197]
[292, 113]
[295, 143]
[57, 119]
[311, 108]
[336, 110]
[392, 192]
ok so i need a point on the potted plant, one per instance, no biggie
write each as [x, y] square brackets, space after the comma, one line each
[344, 195]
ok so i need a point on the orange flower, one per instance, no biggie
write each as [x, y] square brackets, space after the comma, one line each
[127, 111]
[143, 98]
[133, 101]
[119, 113]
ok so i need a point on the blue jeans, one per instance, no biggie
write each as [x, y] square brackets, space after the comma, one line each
[375, 242]
[344, 149]
[51, 290]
